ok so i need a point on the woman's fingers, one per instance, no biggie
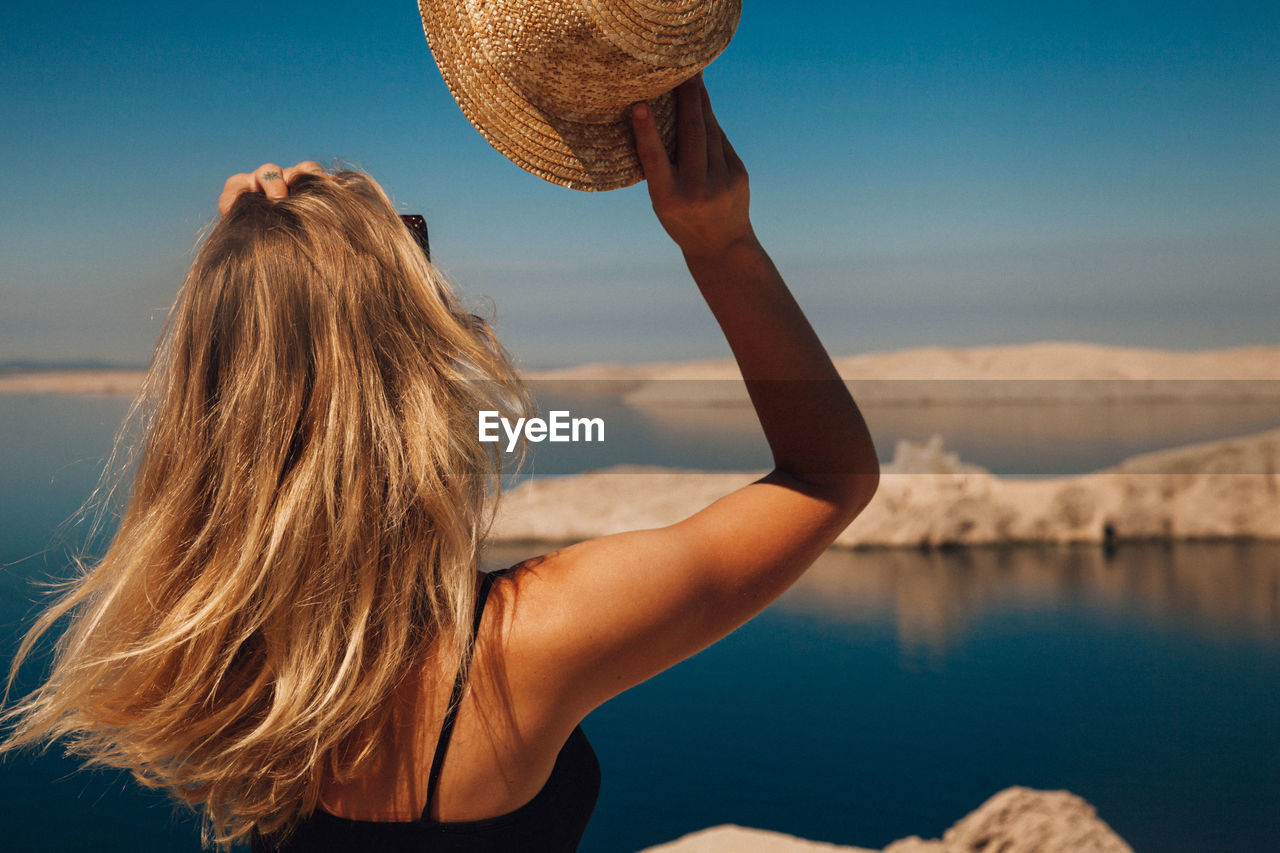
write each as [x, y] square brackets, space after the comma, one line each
[653, 154]
[733, 164]
[732, 160]
[715, 136]
[268, 179]
[703, 154]
[231, 190]
[702, 200]
[310, 167]
[691, 134]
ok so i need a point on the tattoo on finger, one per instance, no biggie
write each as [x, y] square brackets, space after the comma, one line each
[271, 176]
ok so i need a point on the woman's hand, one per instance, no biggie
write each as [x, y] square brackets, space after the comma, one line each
[267, 178]
[702, 199]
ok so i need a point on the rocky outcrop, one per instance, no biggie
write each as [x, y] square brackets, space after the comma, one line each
[739, 839]
[928, 497]
[1016, 820]
[1217, 490]
[1020, 820]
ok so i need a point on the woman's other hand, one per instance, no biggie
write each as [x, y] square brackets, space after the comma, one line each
[702, 199]
[267, 178]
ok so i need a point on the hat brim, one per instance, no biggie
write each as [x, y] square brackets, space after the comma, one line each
[592, 155]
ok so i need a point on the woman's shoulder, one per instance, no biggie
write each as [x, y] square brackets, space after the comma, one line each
[584, 623]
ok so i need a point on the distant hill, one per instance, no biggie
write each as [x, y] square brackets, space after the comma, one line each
[7, 367]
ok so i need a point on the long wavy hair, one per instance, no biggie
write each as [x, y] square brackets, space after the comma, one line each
[303, 528]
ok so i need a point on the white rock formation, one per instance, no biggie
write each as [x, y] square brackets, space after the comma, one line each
[1020, 820]
[738, 839]
[1016, 820]
[928, 497]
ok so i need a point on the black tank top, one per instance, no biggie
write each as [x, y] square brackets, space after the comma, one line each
[552, 822]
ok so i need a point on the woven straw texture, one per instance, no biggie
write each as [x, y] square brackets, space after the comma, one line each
[549, 83]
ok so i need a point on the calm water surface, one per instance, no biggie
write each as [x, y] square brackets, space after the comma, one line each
[887, 694]
[1030, 438]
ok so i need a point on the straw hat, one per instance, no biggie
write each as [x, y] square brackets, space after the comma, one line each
[549, 82]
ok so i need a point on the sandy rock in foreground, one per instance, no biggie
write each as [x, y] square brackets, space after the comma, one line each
[737, 839]
[1020, 820]
[1218, 490]
[1016, 820]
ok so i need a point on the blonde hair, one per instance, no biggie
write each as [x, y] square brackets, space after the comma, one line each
[305, 521]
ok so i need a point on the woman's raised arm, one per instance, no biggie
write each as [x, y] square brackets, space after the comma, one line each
[598, 617]
[814, 429]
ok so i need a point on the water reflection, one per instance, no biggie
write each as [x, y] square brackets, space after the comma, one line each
[1010, 428]
[1037, 439]
[1219, 590]
[1216, 590]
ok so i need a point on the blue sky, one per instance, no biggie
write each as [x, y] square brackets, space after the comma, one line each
[924, 173]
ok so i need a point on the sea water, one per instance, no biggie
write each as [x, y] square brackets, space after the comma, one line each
[887, 694]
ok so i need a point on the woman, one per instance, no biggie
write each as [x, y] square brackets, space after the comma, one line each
[289, 631]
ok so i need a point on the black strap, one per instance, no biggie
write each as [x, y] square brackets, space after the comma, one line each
[451, 712]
